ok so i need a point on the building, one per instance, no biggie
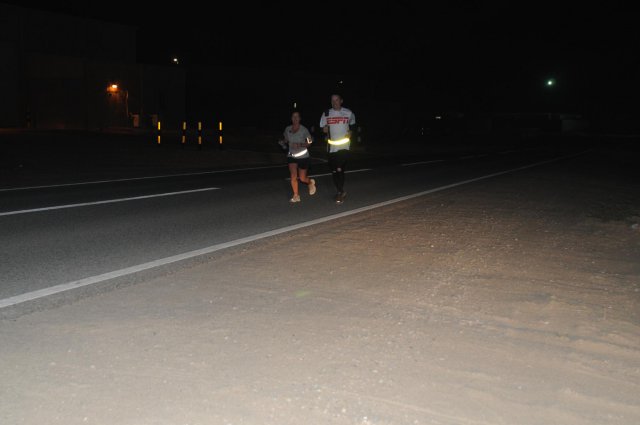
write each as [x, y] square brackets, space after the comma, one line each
[67, 72]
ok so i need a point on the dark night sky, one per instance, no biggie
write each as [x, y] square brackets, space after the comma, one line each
[458, 45]
[279, 34]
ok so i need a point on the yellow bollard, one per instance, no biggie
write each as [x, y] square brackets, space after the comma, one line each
[184, 133]
[199, 134]
[159, 131]
[220, 134]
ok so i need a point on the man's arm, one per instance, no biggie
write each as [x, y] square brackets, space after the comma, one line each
[352, 125]
[323, 122]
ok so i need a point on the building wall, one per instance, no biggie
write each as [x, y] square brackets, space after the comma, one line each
[58, 69]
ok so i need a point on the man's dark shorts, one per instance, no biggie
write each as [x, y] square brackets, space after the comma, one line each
[338, 159]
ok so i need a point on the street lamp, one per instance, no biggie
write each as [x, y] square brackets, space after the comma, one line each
[114, 89]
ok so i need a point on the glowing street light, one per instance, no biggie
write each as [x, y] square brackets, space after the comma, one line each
[118, 95]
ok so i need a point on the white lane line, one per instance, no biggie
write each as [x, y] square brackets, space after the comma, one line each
[357, 171]
[108, 201]
[141, 178]
[328, 174]
[10, 189]
[423, 162]
[33, 295]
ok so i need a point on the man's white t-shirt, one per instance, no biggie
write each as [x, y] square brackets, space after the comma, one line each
[338, 121]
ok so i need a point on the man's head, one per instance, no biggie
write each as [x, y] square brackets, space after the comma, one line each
[336, 101]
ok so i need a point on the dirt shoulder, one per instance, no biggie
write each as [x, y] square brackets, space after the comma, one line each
[511, 300]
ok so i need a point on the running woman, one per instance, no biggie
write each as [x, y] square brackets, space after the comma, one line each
[298, 137]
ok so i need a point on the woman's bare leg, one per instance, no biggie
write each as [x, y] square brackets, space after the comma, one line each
[303, 176]
[293, 173]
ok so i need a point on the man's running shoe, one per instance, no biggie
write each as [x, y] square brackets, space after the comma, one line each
[312, 187]
[296, 198]
[340, 197]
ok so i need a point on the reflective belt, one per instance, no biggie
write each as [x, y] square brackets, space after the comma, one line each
[299, 154]
[339, 142]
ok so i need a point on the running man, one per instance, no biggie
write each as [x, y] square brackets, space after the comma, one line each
[338, 123]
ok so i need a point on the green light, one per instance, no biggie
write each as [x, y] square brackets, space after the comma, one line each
[551, 82]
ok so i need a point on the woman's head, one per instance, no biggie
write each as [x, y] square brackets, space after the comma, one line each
[296, 117]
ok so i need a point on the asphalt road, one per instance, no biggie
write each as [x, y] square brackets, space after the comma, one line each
[87, 231]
